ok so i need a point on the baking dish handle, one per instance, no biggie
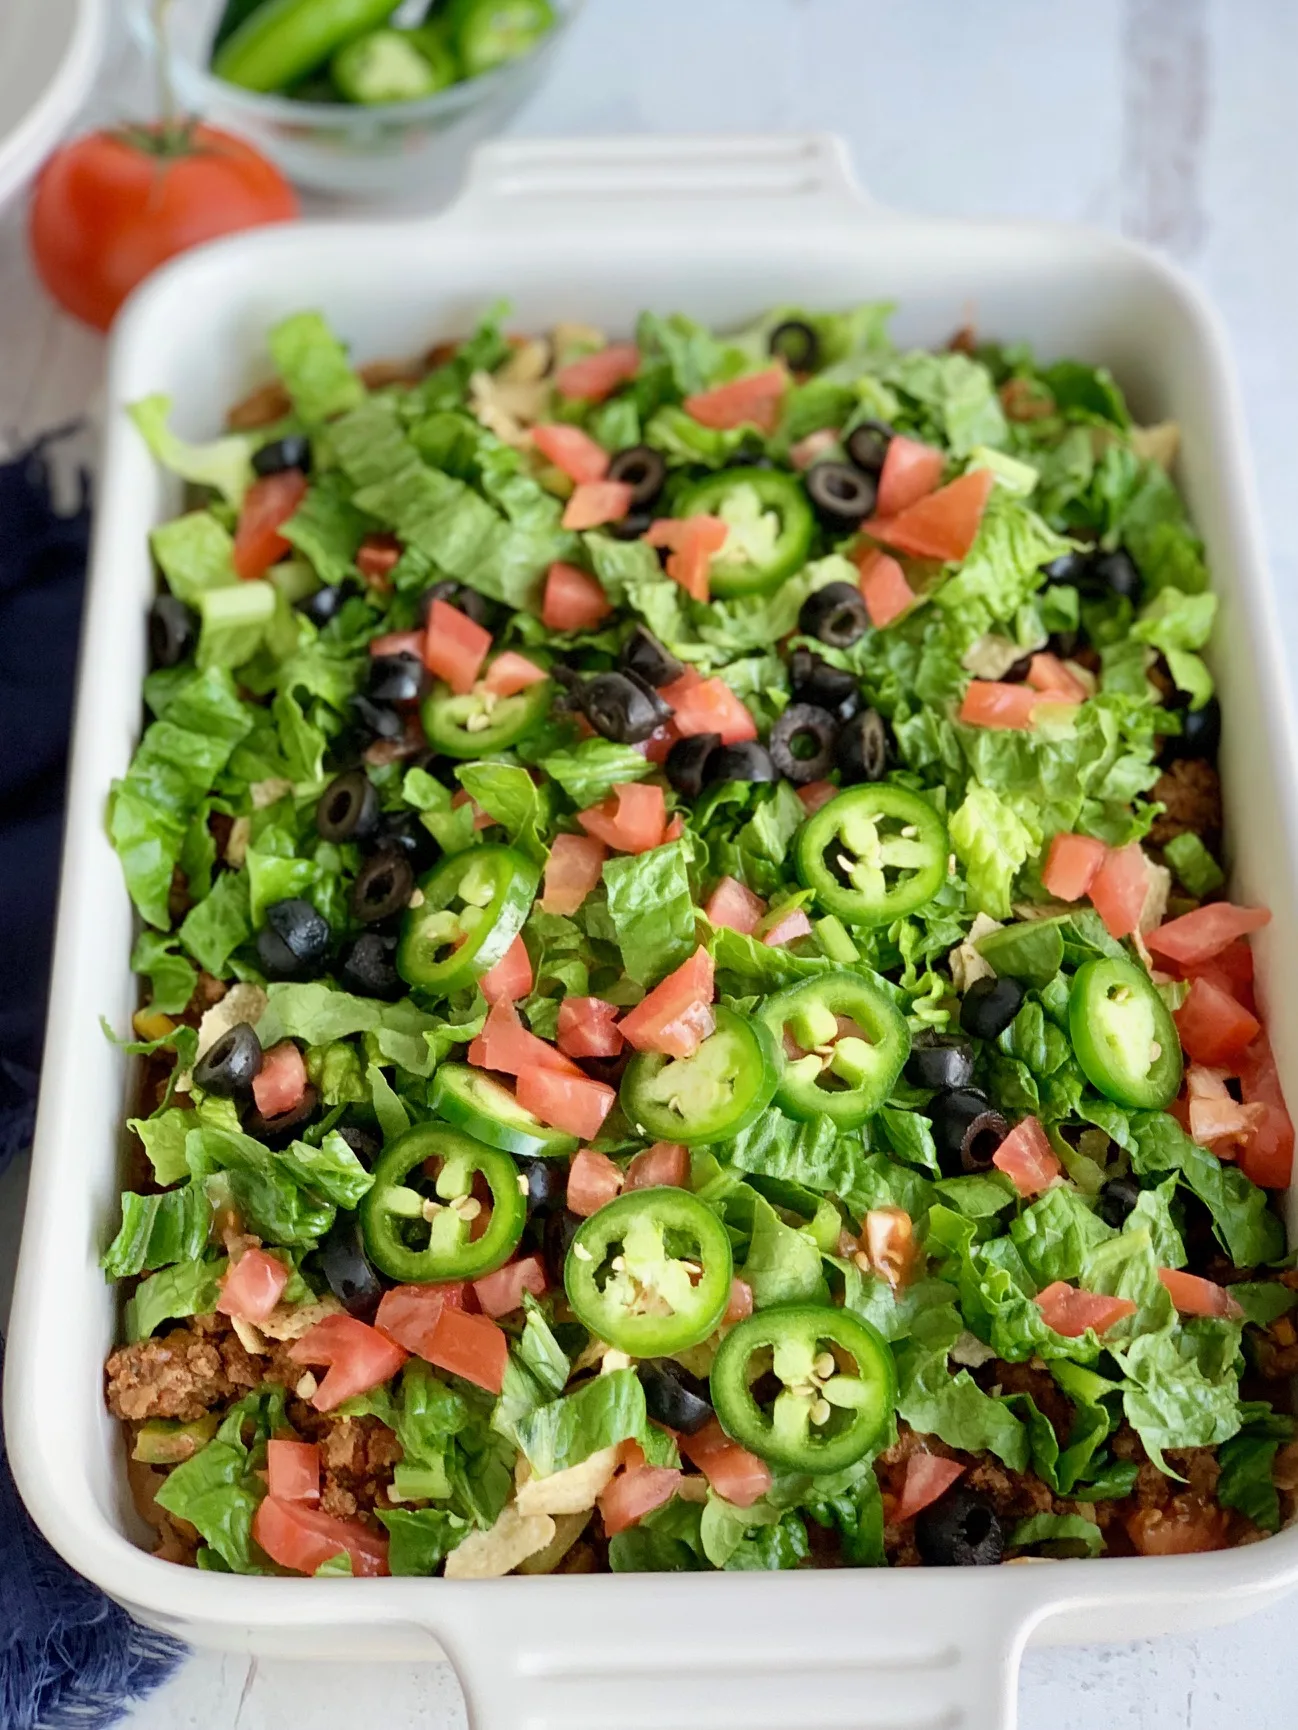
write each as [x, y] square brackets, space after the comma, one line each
[543, 182]
[747, 1652]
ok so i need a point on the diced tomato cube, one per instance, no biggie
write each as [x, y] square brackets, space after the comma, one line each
[595, 376]
[293, 1470]
[815, 794]
[1267, 1155]
[470, 1346]
[809, 450]
[786, 928]
[632, 1494]
[884, 588]
[304, 1539]
[501, 1293]
[941, 525]
[733, 905]
[1185, 1527]
[267, 505]
[593, 1181]
[1198, 1297]
[1027, 1158]
[509, 674]
[736, 1475]
[409, 1314]
[889, 1238]
[708, 706]
[741, 1301]
[455, 646]
[665, 1163]
[1200, 936]
[588, 1028]
[692, 542]
[574, 1104]
[1070, 1311]
[631, 819]
[572, 451]
[595, 503]
[751, 401]
[359, 1358]
[505, 1044]
[1231, 971]
[1071, 865]
[573, 599]
[572, 871]
[1213, 1027]
[511, 977]
[1119, 888]
[677, 1016]
[910, 470]
[986, 703]
[1049, 675]
[252, 1286]
[928, 1477]
[375, 558]
[399, 643]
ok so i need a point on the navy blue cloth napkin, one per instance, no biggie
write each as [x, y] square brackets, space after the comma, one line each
[68, 1655]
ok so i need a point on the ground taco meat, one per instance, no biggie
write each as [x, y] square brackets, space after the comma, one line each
[1191, 792]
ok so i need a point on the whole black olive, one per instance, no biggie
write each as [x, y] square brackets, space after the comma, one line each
[643, 655]
[1071, 567]
[547, 1184]
[989, 1006]
[813, 680]
[366, 1144]
[1200, 734]
[376, 720]
[687, 762]
[173, 631]
[835, 614]
[748, 761]
[796, 344]
[674, 1397]
[460, 596]
[291, 452]
[323, 605]
[960, 1530]
[802, 743]
[383, 886]
[939, 1060]
[560, 1229]
[230, 1066]
[967, 1130]
[1118, 1199]
[347, 1268]
[641, 469]
[842, 496]
[368, 966]
[279, 1130]
[396, 679]
[621, 708]
[402, 832]
[867, 445]
[294, 941]
[348, 809]
[631, 526]
[864, 748]
[1117, 571]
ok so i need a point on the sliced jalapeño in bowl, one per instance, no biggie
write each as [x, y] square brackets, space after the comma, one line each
[481, 722]
[873, 854]
[473, 906]
[723, 1088]
[484, 1108]
[844, 1043]
[770, 522]
[1123, 1035]
[422, 1220]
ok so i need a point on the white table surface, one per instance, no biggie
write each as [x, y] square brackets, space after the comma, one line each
[1173, 120]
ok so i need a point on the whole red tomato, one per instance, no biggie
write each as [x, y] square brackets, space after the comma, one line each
[114, 205]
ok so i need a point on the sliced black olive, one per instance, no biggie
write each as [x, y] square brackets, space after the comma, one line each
[640, 468]
[547, 1184]
[1200, 734]
[631, 526]
[748, 761]
[383, 886]
[1065, 644]
[349, 807]
[323, 605]
[989, 1006]
[173, 631]
[368, 965]
[279, 1130]
[230, 1066]
[347, 1268]
[835, 614]
[864, 748]
[366, 1144]
[674, 1397]
[1117, 1201]
[645, 656]
[967, 1130]
[377, 720]
[842, 496]
[687, 762]
[814, 681]
[939, 1060]
[802, 743]
[747, 458]
[1072, 567]
[1017, 671]
[1117, 572]
[867, 445]
[401, 831]
[796, 344]
[622, 708]
[560, 1229]
[460, 596]
[292, 452]
[960, 1530]
[294, 941]
[396, 679]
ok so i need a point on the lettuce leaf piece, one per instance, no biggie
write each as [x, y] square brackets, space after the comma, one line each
[752, 1538]
[783, 1263]
[216, 927]
[855, 1510]
[1126, 1266]
[224, 464]
[1056, 1235]
[327, 528]
[163, 1136]
[1263, 1301]
[508, 794]
[263, 1184]
[956, 395]
[171, 978]
[1246, 1461]
[758, 966]
[1136, 503]
[810, 1153]
[314, 367]
[992, 843]
[421, 1538]
[194, 554]
[219, 1488]
[235, 621]
[953, 1407]
[157, 1230]
[1179, 624]
[652, 911]
[331, 1170]
[388, 1107]
[1002, 570]
[190, 1288]
[1181, 1388]
[1248, 1229]
[315, 1013]
[1193, 865]
[1057, 1535]
[690, 355]
[599, 1414]
[667, 1541]
[589, 771]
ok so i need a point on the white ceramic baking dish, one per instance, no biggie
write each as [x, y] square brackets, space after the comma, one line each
[597, 230]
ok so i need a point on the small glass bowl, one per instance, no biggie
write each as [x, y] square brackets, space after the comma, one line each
[395, 150]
